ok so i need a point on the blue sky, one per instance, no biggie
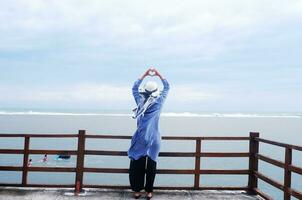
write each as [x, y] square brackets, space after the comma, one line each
[217, 55]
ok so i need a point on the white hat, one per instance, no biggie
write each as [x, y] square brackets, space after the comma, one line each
[150, 86]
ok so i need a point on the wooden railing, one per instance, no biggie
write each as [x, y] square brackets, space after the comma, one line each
[286, 165]
[252, 154]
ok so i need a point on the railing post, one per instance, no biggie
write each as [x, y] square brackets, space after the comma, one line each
[25, 160]
[287, 173]
[80, 162]
[197, 163]
[253, 162]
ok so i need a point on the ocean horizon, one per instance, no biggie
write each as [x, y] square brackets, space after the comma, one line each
[90, 112]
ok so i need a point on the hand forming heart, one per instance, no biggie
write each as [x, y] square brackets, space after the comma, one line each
[152, 72]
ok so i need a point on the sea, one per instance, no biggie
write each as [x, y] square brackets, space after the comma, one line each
[278, 126]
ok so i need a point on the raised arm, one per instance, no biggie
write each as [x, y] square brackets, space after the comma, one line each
[135, 92]
[136, 85]
[166, 85]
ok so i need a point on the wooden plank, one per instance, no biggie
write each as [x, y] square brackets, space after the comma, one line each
[175, 171]
[225, 138]
[253, 162]
[168, 187]
[11, 151]
[180, 138]
[177, 154]
[106, 153]
[203, 138]
[287, 174]
[123, 170]
[169, 137]
[172, 154]
[80, 162]
[12, 135]
[25, 160]
[295, 169]
[107, 186]
[37, 185]
[263, 195]
[280, 144]
[270, 181]
[225, 154]
[171, 171]
[124, 153]
[197, 164]
[55, 135]
[295, 193]
[270, 160]
[42, 151]
[52, 169]
[11, 184]
[105, 170]
[52, 135]
[226, 171]
[51, 185]
[11, 168]
[218, 188]
[108, 136]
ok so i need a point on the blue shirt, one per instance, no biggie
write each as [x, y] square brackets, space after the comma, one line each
[146, 139]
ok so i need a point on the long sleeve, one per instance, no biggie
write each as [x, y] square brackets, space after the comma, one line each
[165, 91]
[135, 92]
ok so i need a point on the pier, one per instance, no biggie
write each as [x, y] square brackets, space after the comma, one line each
[197, 190]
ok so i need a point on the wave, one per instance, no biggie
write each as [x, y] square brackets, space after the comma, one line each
[232, 115]
[62, 113]
[165, 114]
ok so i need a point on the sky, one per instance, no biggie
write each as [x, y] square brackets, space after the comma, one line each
[218, 55]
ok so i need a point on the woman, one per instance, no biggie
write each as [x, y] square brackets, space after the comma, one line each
[145, 143]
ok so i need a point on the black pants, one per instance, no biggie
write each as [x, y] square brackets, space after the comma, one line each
[137, 171]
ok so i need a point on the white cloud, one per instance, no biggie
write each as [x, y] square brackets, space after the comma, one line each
[168, 28]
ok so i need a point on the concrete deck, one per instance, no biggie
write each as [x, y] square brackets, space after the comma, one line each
[109, 194]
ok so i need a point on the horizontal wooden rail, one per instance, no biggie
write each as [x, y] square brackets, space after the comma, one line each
[11, 151]
[171, 171]
[269, 180]
[177, 154]
[225, 138]
[38, 151]
[52, 152]
[38, 185]
[54, 135]
[108, 136]
[11, 168]
[120, 170]
[263, 195]
[122, 186]
[51, 169]
[226, 154]
[278, 185]
[280, 144]
[295, 193]
[295, 169]
[169, 137]
[271, 161]
[169, 187]
[173, 154]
